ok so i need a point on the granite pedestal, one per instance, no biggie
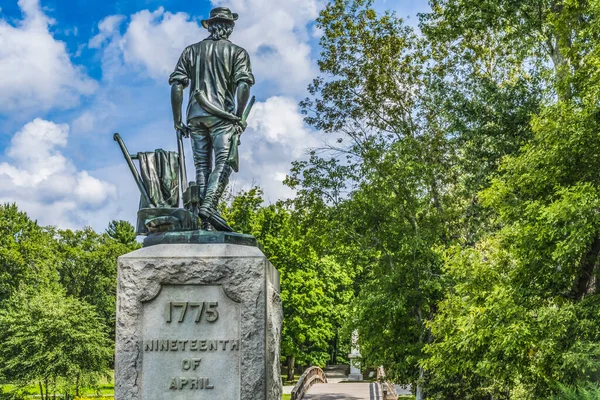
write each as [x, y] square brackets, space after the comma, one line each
[197, 321]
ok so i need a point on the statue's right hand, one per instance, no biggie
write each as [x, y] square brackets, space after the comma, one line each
[180, 127]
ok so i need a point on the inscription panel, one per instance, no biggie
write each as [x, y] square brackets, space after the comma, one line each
[190, 344]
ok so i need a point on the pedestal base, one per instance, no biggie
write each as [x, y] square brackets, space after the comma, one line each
[355, 377]
[197, 321]
[199, 237]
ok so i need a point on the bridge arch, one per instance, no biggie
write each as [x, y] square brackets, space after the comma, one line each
[311, 376]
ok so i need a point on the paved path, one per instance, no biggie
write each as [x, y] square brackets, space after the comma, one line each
[344, 391]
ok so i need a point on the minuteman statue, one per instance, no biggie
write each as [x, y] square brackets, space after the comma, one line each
[219, 75]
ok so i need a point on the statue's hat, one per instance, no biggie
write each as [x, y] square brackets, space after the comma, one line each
[221, 14]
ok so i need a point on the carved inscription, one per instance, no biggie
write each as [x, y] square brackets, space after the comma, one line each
[209, 309]
[191, 343]
[190, 383]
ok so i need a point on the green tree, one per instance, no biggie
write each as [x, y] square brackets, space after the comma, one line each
[314, 289]
[522, 313]
[87, 265]
[588, 392]
[53, 341]
[121, 231]
[26, 256]
[383, 192]
[423, 123]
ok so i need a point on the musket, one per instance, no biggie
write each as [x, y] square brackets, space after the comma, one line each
[134, 171]
[233, 156]
[182, 168]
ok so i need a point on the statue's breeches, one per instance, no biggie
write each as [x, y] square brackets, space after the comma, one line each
[211, 136]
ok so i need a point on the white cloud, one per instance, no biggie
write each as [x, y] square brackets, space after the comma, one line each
[107, 27]
[46, 184]
[276, 35]
[85, 123]
[35, 68]
[155, 40]
[151, 42]
[278, 41]
[276, 136]
[278, 121]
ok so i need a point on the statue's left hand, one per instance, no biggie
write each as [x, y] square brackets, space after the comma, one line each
[241, 126]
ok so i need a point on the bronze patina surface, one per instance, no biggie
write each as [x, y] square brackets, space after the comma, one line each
[219, 76]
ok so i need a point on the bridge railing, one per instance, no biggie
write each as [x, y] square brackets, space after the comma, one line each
[389, 393]
[309, 377]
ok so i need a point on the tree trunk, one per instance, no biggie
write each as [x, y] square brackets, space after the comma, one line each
[291, 362]
[420, 393]
[335, 349]
[585, 283]
[77, 386]
[41, 390]
[46, 382]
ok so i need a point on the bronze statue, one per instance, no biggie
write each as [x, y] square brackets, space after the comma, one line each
[219, 75]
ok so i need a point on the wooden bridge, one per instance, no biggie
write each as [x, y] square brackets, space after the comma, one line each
[345, 391]
[314, 384]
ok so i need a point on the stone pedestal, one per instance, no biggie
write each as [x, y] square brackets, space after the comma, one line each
[197, 321]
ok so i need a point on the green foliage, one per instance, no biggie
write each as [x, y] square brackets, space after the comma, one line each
[501, 340]
[52, 339]
[314, 289]
[26, 256]
[462, 189]
[87, 265]
[57, 301]
[122, 231]
[382, 192]
[588, 392]
[522, 312]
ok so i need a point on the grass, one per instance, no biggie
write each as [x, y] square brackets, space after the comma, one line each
[103, 392]
[289, 383]
[106, 392]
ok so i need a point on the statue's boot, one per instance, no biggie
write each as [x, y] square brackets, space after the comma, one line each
[202, 175]
[215, 220]
[208, 210]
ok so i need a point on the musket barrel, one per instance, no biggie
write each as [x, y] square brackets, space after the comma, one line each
[182, 168]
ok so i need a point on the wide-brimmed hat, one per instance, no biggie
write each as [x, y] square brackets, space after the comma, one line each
[220, 14]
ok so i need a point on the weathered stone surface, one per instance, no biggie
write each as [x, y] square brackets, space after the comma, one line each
[157, 283]
[191, 343]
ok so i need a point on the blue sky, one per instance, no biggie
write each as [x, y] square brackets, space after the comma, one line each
[73, 72]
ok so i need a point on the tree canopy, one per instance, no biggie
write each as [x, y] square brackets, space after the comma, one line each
[460, 181]
[52, 340]
[57, 302]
